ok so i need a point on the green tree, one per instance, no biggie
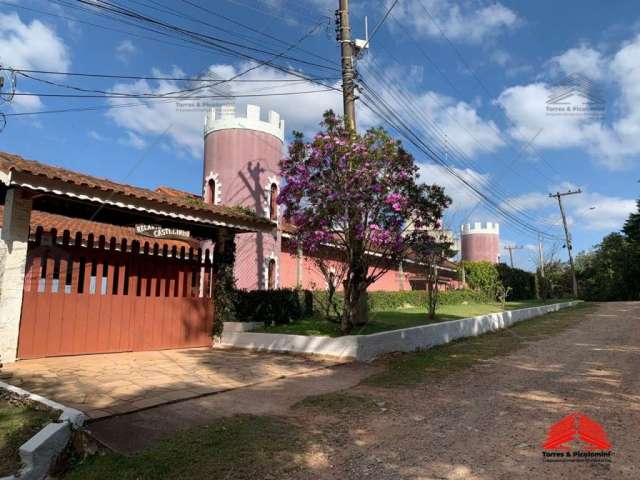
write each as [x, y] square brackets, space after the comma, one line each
[482, 276]
[632, 226]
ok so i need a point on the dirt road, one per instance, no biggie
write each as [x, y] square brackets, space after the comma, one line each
[489, 421]
[484, 422]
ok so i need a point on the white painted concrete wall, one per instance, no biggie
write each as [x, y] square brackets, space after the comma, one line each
[230, 327]
[14, 240]
[368, 347]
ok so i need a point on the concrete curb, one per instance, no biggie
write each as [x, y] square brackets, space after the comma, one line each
[39, 452]
[369, 347]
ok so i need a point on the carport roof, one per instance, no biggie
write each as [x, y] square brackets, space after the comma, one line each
[11, 164]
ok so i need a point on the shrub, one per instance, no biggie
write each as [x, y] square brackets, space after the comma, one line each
[521, 282]
[482, 276]
[385, 301]
[277, 307]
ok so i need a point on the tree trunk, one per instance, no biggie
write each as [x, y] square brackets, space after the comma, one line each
[355, 311]
[432, 288]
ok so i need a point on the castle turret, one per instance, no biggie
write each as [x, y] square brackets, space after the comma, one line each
[241, 156]
[480, 242]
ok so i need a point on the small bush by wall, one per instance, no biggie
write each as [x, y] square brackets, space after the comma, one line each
[271, 306]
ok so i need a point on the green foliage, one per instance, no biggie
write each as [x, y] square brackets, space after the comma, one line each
[632, 226]
[482, 276]
[224, 286]
[244, 210]
[521, 282]
[18, 423]
[611, 271]
[387, 301]
[273, 307]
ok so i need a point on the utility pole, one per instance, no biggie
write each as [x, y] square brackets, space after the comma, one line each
[541, 254]
[347, 50]
[567, 235]
[511, 248]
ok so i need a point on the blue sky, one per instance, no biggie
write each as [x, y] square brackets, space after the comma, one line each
[477, 72]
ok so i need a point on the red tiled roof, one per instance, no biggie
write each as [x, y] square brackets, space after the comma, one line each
[10, 162]
[172, 192]
[49, 221]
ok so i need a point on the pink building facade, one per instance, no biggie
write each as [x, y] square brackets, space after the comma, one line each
[241, 156]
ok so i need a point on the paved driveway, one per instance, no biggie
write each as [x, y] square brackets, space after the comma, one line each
[112, 384]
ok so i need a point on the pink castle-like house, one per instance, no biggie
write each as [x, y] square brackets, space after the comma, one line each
[241, 156]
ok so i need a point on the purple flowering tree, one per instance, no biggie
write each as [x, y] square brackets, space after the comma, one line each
[359, 195]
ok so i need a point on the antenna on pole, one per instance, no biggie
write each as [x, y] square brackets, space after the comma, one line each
[360, 44]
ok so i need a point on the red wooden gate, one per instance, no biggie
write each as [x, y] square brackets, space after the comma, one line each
[82, 297]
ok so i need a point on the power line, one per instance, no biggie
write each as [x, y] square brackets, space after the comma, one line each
[378, 106]
[472, 70]
[154, 96]
[173, 79]
[409, 106]
[120, 14]
[382, 20]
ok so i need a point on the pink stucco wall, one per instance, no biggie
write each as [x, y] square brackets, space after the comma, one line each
[312, 278]
[481, 247]
[245, 162]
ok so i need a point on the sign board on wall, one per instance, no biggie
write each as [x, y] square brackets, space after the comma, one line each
[157, 231]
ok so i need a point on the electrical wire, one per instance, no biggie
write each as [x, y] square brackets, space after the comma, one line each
[379, 107]
[173, 79]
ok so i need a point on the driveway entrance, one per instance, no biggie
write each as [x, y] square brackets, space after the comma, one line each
[106, 385]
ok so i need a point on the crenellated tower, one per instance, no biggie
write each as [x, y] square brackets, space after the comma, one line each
[480, 242]
[241, 156]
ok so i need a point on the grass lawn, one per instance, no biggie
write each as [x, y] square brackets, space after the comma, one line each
[396, 319]
[240, 447]
[17, 425]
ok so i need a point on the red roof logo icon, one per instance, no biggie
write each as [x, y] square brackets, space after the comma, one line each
[576, 427]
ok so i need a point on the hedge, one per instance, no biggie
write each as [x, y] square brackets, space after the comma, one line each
[272, 306]
[381, 301]
[284, 305]
[522, 283]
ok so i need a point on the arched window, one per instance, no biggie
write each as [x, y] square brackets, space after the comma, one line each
[211, 191]
[271, 274]
[273, 204]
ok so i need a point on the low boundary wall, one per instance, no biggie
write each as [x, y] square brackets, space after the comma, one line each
[368, 347]
[40, 451]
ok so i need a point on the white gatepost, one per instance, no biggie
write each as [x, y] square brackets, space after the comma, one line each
[14, 239]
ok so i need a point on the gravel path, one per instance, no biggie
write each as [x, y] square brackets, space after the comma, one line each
[489, 421]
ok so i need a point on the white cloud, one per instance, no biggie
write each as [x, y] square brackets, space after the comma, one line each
[26, 103]
[583, 60]
[609, 214]
[588, 210]
[125, 50]
[473, 21]
[31, 46]
[530, 201]
[616, 145]
[460, 194]
[301, 112]
[97, 136]
[132, 140]
[431, 113]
